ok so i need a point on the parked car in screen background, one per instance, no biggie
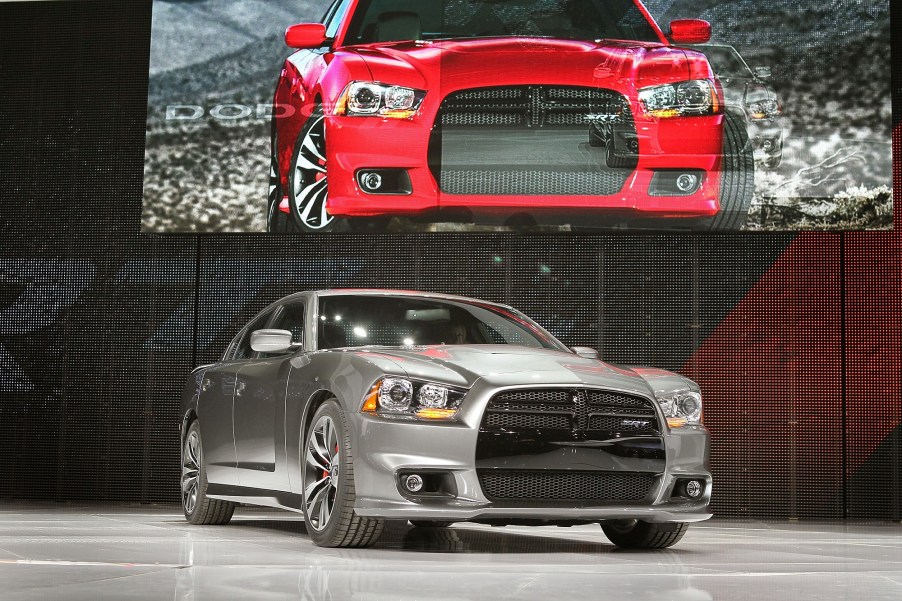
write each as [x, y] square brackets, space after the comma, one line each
[359, 406]
[748, 93]
[543, 111]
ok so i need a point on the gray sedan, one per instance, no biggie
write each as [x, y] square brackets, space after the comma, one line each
[360, 406]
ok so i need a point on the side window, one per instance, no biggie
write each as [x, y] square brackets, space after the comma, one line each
[242, 349]
[291, 318]
[333, 23]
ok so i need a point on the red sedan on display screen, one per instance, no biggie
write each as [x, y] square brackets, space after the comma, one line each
[524, 111]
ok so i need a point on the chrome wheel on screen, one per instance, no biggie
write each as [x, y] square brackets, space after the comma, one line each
[309, 181]
[190, 471]
[321, 475]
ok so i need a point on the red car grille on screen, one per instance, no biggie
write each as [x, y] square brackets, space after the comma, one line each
[525, 140]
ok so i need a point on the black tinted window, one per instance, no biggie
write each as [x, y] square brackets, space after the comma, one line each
[351, 321]
[291, 318]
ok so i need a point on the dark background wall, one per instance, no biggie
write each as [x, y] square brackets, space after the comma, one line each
[795, 339]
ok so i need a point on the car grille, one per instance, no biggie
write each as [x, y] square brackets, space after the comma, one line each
[599, 412]
[531, 106]
[545, 485]
[525, 140]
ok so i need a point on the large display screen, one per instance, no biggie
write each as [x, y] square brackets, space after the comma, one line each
[311, 116]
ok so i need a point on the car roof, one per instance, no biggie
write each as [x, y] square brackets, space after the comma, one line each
[388, 292]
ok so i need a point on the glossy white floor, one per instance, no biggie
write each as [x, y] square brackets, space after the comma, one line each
[136, 552]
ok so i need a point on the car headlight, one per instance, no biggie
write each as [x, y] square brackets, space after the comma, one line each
[371, 99]
[696, 97]
[763, 109]
[401, 397]
[681, 407]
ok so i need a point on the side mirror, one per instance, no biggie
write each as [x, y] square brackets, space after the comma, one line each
[762, 72]
[271, 341]
[585, 352]
[305, 35]
[690, 31]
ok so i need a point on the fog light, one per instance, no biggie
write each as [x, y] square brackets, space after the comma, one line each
[413, 483]
[633, 146]
[371, 181]
[767, 145]
[694, 489]
[687, 182]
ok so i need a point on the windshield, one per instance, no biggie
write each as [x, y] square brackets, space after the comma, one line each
[399, 20]
[725, 62]
[360, 320]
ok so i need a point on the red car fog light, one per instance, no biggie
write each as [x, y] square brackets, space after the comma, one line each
[676, 182]
[384, 181]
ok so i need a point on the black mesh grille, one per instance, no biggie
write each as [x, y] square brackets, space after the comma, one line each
[531, 396]
[528, 420]
[618, 423]
[522, 485]
[532, 182]
[579, 409]
[526, 141]
[532, 106]
[616, 399]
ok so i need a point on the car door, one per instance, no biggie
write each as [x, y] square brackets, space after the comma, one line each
[214, 407]
[259, 408]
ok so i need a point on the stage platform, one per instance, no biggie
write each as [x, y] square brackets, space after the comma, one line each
[148, 552]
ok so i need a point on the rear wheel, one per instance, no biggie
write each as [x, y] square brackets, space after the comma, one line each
[637, 534]
[197, 506]
[328, 476]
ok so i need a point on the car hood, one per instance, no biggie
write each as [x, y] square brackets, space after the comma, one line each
[469, 63]
[508, 365]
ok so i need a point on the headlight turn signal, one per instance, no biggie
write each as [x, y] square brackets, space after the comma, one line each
[695, 97]
[401, 397]
[372, 99]
[681, 407]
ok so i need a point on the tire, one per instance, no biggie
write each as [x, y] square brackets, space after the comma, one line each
[308, 184]
[429, 524]
[615, 162]
[737, 177]
[277, 222]
[637, 534]
[595, 138]
[329, 497]
[197, 506]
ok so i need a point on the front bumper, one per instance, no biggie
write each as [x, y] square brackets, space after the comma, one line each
[387, 447]
[362, 143]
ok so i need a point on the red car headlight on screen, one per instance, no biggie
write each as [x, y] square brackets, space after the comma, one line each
[371, 99]
[696, 97]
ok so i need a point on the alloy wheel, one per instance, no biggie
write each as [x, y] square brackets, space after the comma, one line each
[321, 476]
[310, 183]
[190, 471]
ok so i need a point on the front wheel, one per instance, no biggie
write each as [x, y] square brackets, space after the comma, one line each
[328, 477]
[737, 177]
[197, 506]
[308, 183]
[638, 534]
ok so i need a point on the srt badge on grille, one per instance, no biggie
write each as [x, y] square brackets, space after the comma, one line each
[638, 424]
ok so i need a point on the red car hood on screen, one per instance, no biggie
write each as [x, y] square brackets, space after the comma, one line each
[469, 63]
[509, 365]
